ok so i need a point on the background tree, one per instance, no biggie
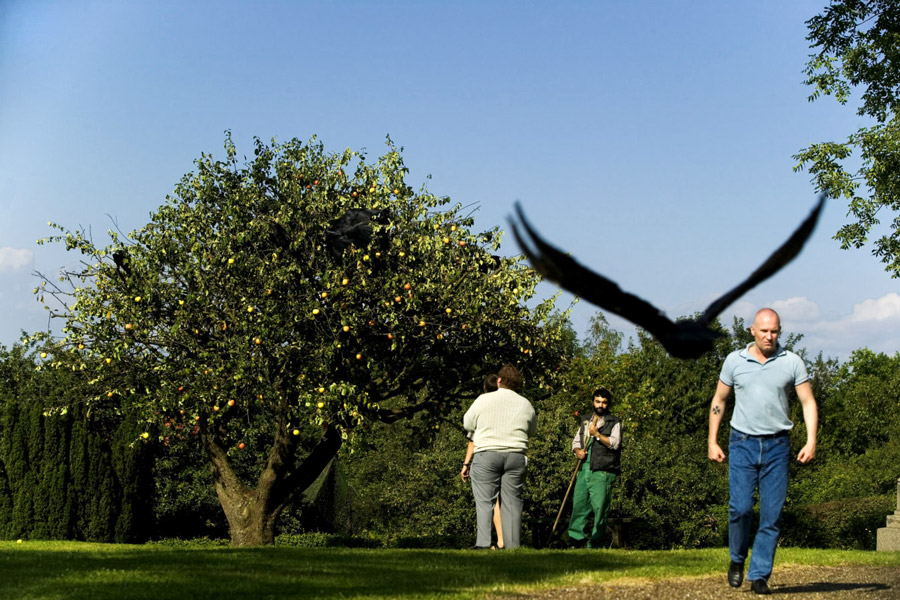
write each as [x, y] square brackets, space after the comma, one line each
[66, 474]
[270, 311]
[858, 48]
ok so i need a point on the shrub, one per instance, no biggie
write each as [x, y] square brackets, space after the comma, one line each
[846, 524]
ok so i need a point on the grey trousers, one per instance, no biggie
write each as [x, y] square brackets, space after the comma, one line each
[498, 474]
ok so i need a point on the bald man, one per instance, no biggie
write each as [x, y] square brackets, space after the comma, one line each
[761, 375]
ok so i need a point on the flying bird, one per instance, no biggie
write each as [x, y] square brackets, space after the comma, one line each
[682, 339]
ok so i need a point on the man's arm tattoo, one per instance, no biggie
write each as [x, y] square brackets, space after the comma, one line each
[716, 410]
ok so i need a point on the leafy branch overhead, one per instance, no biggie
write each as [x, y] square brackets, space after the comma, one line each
[858, 49]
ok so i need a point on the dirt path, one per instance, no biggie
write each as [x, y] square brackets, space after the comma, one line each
[798, 583]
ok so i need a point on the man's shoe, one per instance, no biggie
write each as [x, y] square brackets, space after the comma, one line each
[481, 547]
[760, 586]
[735, 574]
[574, 544]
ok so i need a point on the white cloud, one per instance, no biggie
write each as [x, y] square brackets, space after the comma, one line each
[15, 259]
[886, 308]
[873, 323]
[797, 309]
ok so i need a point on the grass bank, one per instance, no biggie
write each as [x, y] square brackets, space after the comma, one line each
[72, 570]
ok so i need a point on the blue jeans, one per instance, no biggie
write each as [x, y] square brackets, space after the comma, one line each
[756, 462]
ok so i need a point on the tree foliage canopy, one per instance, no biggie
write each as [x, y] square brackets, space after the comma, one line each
[858, 48]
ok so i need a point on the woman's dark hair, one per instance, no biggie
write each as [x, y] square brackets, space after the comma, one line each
[490, 383]
[511, 378]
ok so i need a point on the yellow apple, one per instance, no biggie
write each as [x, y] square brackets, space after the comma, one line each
[346, 328]
[230, 261]
[145, 435]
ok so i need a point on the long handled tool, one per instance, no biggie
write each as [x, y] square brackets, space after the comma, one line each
[568, 491]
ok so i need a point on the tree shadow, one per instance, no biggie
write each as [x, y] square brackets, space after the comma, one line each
[827, 586]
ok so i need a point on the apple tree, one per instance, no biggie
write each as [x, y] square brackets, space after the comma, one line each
[275, 307]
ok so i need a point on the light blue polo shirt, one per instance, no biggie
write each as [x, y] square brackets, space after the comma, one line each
[761, 389]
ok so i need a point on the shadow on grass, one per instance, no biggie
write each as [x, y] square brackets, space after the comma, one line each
[95, 571]
[825, 587]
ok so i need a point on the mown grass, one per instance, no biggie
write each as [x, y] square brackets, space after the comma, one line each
[72, 570]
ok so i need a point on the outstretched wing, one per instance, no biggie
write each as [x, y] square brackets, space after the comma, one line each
[570, 275]
[785, 254]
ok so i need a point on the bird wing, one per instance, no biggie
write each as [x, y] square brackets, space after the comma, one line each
[570, 275]
[781, 257]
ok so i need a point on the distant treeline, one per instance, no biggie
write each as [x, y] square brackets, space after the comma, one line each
[66, 474]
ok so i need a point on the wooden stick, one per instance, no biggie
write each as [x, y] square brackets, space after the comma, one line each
[568, 491]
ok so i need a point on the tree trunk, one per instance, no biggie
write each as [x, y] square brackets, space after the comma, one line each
[251, 519]
[252, 513]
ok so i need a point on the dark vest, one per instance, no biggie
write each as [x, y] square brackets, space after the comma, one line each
[602, 458]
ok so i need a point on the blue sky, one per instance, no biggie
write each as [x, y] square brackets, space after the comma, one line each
[651, 139]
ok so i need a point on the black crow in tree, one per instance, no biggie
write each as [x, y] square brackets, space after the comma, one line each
[681, 339]
[120, 257]
[354, 228]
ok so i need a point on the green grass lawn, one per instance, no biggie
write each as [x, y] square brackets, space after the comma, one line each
[74, 570]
